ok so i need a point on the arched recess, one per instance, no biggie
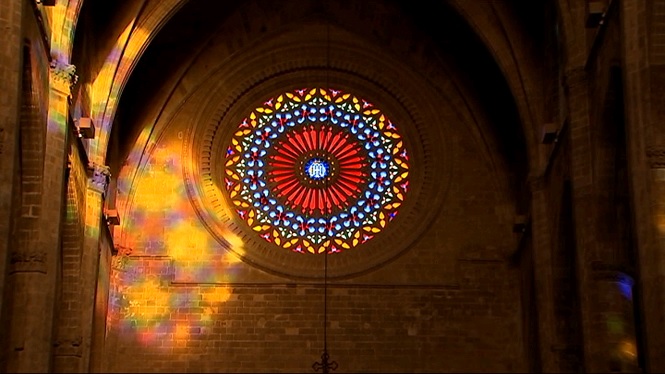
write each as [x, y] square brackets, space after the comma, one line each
[521, 158]
[133, 41]
[500, 31]
[466, 109]
[504, 132]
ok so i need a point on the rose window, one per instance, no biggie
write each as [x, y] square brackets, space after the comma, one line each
[316, 170]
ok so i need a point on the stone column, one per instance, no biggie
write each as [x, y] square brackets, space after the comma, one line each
[585, 213]
[644, 79]
[542, 262]
[11, 13]
[96, 193]
[37, 262]
[35, 255]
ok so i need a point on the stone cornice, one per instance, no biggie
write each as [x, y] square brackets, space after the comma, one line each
[28, 261]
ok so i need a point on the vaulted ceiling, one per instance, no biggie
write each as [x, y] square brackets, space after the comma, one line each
[440, 31]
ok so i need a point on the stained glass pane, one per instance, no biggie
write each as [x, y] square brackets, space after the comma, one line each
[317, 170]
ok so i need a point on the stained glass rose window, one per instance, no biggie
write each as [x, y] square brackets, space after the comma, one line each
[316, 170]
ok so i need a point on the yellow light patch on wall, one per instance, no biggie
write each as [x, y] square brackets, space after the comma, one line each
[187, 242]
[236, 245]
[93, 212]
[660, 222]
[147, 300]
[57, 15]
[216, 295]
[158, 191]
[628, 349]
[181, 331]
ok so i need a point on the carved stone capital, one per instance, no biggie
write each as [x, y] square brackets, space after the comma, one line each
[119, 260]
[68, 346]
[100, 175]
[28, 261]
[656, 157]
[63, 75]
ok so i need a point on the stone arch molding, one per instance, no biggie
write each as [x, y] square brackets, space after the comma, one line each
[240, 84]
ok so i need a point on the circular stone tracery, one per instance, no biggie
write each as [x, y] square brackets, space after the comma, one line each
[316, 169]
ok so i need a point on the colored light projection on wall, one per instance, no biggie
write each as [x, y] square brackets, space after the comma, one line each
[160, 220]
[315, 170]
[161, 241]
[159, 228]
[620, 325]
[147, 309]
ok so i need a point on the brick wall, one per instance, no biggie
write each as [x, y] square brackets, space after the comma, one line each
[279, 327]
[182, 302]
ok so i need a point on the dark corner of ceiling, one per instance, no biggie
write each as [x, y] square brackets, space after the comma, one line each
[476, 68]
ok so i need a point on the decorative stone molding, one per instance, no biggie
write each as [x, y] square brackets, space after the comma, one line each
[206, 147]
[100, 176]
[28, 261]
[70, 346]
[63, 76]
[656, 157]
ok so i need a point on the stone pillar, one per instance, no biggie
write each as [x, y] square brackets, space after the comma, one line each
[644, 77]
[597, 257]
[542, 250]
[649, 185]
[36, 260]
[576, 81]
[11, 13]
[116, 304]
[100, 339]
[96, 192]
